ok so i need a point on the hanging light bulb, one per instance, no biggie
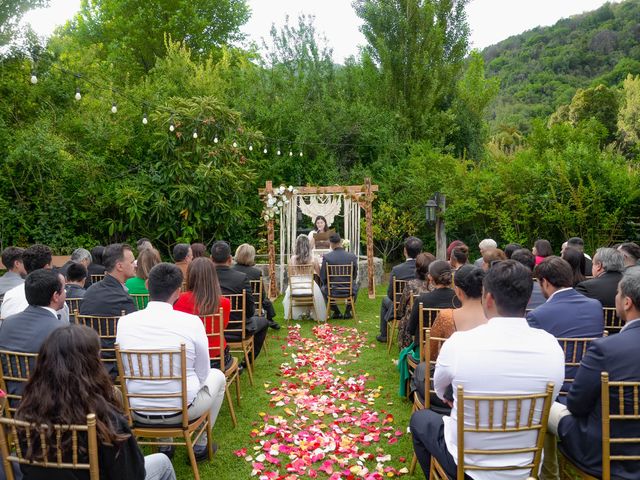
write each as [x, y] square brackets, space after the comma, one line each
[251, 148]
[290, 153]
[300, 153]
[145, 120]
[235, 144]
[78, 96]
[114, 108]
[172, 126]
[215, 139]
[265, 150]
[278, 152]
[34, 78]
[195, 134]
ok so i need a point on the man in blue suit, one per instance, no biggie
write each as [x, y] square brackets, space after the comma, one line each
[579, 424]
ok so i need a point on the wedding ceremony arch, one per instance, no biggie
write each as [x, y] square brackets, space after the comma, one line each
[283, 203]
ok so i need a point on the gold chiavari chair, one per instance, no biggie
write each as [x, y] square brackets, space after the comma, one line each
[612, 322]
[160, 369]
[257, 293]
[426, 317]
[340, 287]
[498, 423]
[23, 436]
[392, 326]
[140, 299]
[300, 288]
[214, 326]
[237, 329]
[574, 349]
[97, 277]
[107, 328]
[15, 370]
[74, 307]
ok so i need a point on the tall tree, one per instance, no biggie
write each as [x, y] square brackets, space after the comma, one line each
[419, 46]
[10, 13]
[131, 30]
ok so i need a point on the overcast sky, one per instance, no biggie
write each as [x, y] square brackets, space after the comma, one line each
[490, 20]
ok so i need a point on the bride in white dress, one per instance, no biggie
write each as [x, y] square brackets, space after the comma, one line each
[302, 284]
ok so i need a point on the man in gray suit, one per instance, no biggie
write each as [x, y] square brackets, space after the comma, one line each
[12, 261]
[26, 331]
[339, 256]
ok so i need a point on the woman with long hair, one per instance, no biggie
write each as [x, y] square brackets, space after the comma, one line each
[542, 249]
[576, 259]
[302, 256]
[319, 226]
[417, 286]
[68, 383]
[203, 297]
[148, 258]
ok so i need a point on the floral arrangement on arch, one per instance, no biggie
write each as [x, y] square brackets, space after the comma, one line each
[280, 197]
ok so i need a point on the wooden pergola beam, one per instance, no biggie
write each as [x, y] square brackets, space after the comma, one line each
[351, 189]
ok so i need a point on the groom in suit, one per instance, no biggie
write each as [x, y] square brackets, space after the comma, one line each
[339, 256]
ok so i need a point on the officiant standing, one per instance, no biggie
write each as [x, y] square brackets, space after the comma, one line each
[319, 235]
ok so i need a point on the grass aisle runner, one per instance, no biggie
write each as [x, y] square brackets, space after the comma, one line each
[321, 422]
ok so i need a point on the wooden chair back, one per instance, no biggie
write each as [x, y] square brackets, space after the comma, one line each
[300, 287]
[427, 343]
[24, 436]
[257, 294]
[15, 371]
[107, 328]
[340, 280]
[497, 421]
[140, 299]
[214, 326]
[612, 322]
[74, 305]
[426, 316]
[239, 307]
[97, 277]
[157, 367]
[574, 349]
[626, 409]
[398, 288]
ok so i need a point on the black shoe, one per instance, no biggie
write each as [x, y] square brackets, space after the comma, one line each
[275, 325]
[168, 450]
[240, 369]
[201, 453]
[347, 315]
[336, 316]
[381, 339]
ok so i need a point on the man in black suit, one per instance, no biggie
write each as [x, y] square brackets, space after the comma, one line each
[608, 265]
[235, 282]
[404, 271]
[339, 256]
[26, 331]
[579, 424]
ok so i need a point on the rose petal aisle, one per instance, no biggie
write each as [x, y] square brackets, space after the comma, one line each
[321, 423]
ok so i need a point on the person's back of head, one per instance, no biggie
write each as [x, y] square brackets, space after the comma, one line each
[245, 255]
[487, 243]
[202, 282]
[452, 245]
[35, 257]
[490, 257]
[610, 259]
[423, 260]
[220, 252]
[555, 271]
[440, 273]
[543, 248]
[335, 240]
[164, 282]
[631, 252]
[76, 273]
[302, 250]
[460, 254]
[576, 259]
[510, 284]
[142, 244]
[525, 257]
[41, 286]
[181, 252]
[198, 250]
[10, 256]
[147, 259]
[113, 254]
[81, 255]
[577, 243]
[510, 248]
[413, 246]
[97, 253]
[468, 278]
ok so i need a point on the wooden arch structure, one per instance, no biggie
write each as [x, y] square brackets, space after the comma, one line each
[360, 195]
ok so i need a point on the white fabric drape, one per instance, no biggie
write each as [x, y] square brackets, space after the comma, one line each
[327, 206]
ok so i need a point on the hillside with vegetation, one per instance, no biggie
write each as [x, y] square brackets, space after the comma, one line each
[541, 69]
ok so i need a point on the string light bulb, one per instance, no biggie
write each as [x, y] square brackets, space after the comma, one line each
[34, 78]
[300, 153]
[145, 120]
[114, 108]
[251, 148]
[265, 150]
[172, 126]
[78, 96]
[290, 153]
[215, 139]
[279, 152]
[235, 144]
[195, 134]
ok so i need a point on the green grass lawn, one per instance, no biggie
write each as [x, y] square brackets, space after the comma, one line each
[374, 360]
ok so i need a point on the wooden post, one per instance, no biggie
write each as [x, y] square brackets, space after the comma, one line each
[441, 235]
[273, 286]
[368, 212]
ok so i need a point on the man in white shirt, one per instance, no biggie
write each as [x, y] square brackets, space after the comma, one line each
[15, 300]
[160, 327]
[504, 356]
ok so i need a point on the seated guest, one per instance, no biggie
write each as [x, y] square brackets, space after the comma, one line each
[79, 255]
[468, 289]
[339, 256]
[504, 356]
[417, 286]
[12, 261]
[578, 244]
[148, 258]
[245, 262]
[76, 276]
[492, 256]
[15, 301]
[199, 250]
[69, 368]
[607, 268]
[159, 326]
[182, 257]
[452, 245]
[25, 331]
[235, 282]
[541, 250]
[576, 260]
[526, 258]
[96, 267]
[510, 248]
[485, 246]
[459, 256]
[631, 252]
[404, 271]
[579, 423]
[142, 244]
[442, 295]
[303, 284]
[203, 297]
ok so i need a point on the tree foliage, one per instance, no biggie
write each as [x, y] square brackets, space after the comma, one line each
[11, 12]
